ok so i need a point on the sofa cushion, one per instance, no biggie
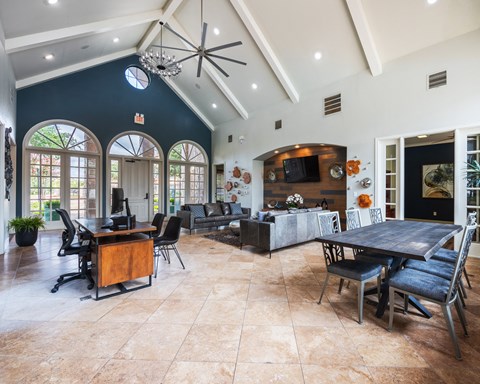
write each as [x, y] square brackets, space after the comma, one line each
[202, 220]
[213, 209]
[262, 216]
[197, 210]
[236, 208]
[226, 209]
[272, 214]
[297, 210]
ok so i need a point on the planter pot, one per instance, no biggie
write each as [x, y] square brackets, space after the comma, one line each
[26, 238]
[172, 209]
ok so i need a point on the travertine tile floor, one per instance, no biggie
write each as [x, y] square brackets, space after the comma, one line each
[233, 316]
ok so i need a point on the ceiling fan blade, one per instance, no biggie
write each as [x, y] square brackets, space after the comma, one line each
[217, 48]
[228, 59]
[186, 58]
[217, 66]
[178, 49]
[199, 67]
[180, 36]
[204, 35]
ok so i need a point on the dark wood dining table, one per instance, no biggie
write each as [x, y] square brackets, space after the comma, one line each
[404, 239]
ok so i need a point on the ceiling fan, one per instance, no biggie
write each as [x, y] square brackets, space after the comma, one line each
[201, 51]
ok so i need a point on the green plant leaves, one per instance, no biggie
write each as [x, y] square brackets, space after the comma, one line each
[30, 223]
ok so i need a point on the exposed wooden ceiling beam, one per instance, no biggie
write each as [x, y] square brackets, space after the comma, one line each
[265, 48]
[364, 34]
[212, 72]
[73, 68]
[155, 29]
[21, 43]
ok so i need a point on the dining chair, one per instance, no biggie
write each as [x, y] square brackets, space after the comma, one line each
[375, 215]
[435, 289]
[168, 240]
[157, 222]
[354, 221]
[449, 255]
[346, 269]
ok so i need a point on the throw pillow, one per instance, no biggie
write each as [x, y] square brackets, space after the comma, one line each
[213, 209]
[226, 209]
[197, 210]
[272, 214]
[236, 208]
[262, 216]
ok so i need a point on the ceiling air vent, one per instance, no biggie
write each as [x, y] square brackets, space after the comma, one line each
[332, 104]
[278, 124]
[437, 80]
[230, 138]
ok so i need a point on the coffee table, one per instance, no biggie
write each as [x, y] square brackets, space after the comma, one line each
[235, 227]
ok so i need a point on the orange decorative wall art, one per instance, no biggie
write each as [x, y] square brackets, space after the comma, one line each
[353, 167]
[364, 201]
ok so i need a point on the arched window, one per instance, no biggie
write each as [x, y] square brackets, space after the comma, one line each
[187, 174]
[62, 169]
[135, 164]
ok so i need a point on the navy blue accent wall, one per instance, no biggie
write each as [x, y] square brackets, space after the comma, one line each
[417, 207]
[103, 101]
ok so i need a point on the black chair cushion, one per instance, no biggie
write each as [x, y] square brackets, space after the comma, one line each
[355, 270]
[375, 258]
[213, 209]
[418, 283]
[435, 267]
[226, 209]
[448, 255]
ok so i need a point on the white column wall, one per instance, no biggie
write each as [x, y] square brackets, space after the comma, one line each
[396, 103]
[7, 119]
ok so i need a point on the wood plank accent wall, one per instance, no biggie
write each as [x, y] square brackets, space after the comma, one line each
[334, 191]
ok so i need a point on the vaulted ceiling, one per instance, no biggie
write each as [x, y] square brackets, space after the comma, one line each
[280, 39]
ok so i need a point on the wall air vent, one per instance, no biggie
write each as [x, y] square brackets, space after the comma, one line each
[230, 138]
[332, 104]
[437, 80]
[278, 124]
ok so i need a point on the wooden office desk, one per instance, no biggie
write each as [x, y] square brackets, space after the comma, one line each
[119, 255]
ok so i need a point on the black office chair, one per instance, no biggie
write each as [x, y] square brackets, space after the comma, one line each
[70, 248]
[168, 239]
[158, 222]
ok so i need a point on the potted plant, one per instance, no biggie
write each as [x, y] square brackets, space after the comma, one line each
[26, 229]
[473, 174]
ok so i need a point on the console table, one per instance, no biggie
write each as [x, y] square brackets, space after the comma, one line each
[119, 255]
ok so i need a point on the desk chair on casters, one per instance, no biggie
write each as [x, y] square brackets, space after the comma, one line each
[166, 242]
[70, 248]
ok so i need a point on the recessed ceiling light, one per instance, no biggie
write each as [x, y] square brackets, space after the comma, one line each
[431, 2]
[214, 105]
[254, 86]
[49, 56]
[422, 136]
[317, 55]
[276, 151]
[216, 31]
[51, 2]
[297, 146]
[116, 39]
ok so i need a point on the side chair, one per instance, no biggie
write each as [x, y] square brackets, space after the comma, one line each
[346, 269]
[81, 248]
[435, 289]
[168, 240]
[375, 215]
[354, 220]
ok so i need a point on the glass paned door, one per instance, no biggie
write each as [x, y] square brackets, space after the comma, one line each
[391, 181]
[83, 185]
[45, 185]
[473, 191]
[197, 184]
[177, 185]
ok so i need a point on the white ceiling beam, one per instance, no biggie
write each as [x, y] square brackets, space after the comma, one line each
[155, 30]
[21, 43]
[73, 68]
[266, 49]
[212, 72]
[364, 34]
[174, 87]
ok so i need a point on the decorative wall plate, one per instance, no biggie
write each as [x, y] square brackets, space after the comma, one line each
[228, 186]
[271, 176]
[234, 198]
[366, 182]
[336, 171]
[247, 178]
[236, 172]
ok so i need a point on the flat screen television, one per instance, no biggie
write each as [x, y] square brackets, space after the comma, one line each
[301, 169]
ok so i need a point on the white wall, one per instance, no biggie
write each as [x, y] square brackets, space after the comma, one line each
[7, 119]
[392, 104]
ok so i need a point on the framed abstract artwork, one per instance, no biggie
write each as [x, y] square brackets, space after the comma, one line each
[437, 181]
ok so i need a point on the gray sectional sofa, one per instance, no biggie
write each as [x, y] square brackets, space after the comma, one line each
[210, 215]
[281, 229]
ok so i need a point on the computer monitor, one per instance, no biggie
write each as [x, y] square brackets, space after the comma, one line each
[117, 202]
